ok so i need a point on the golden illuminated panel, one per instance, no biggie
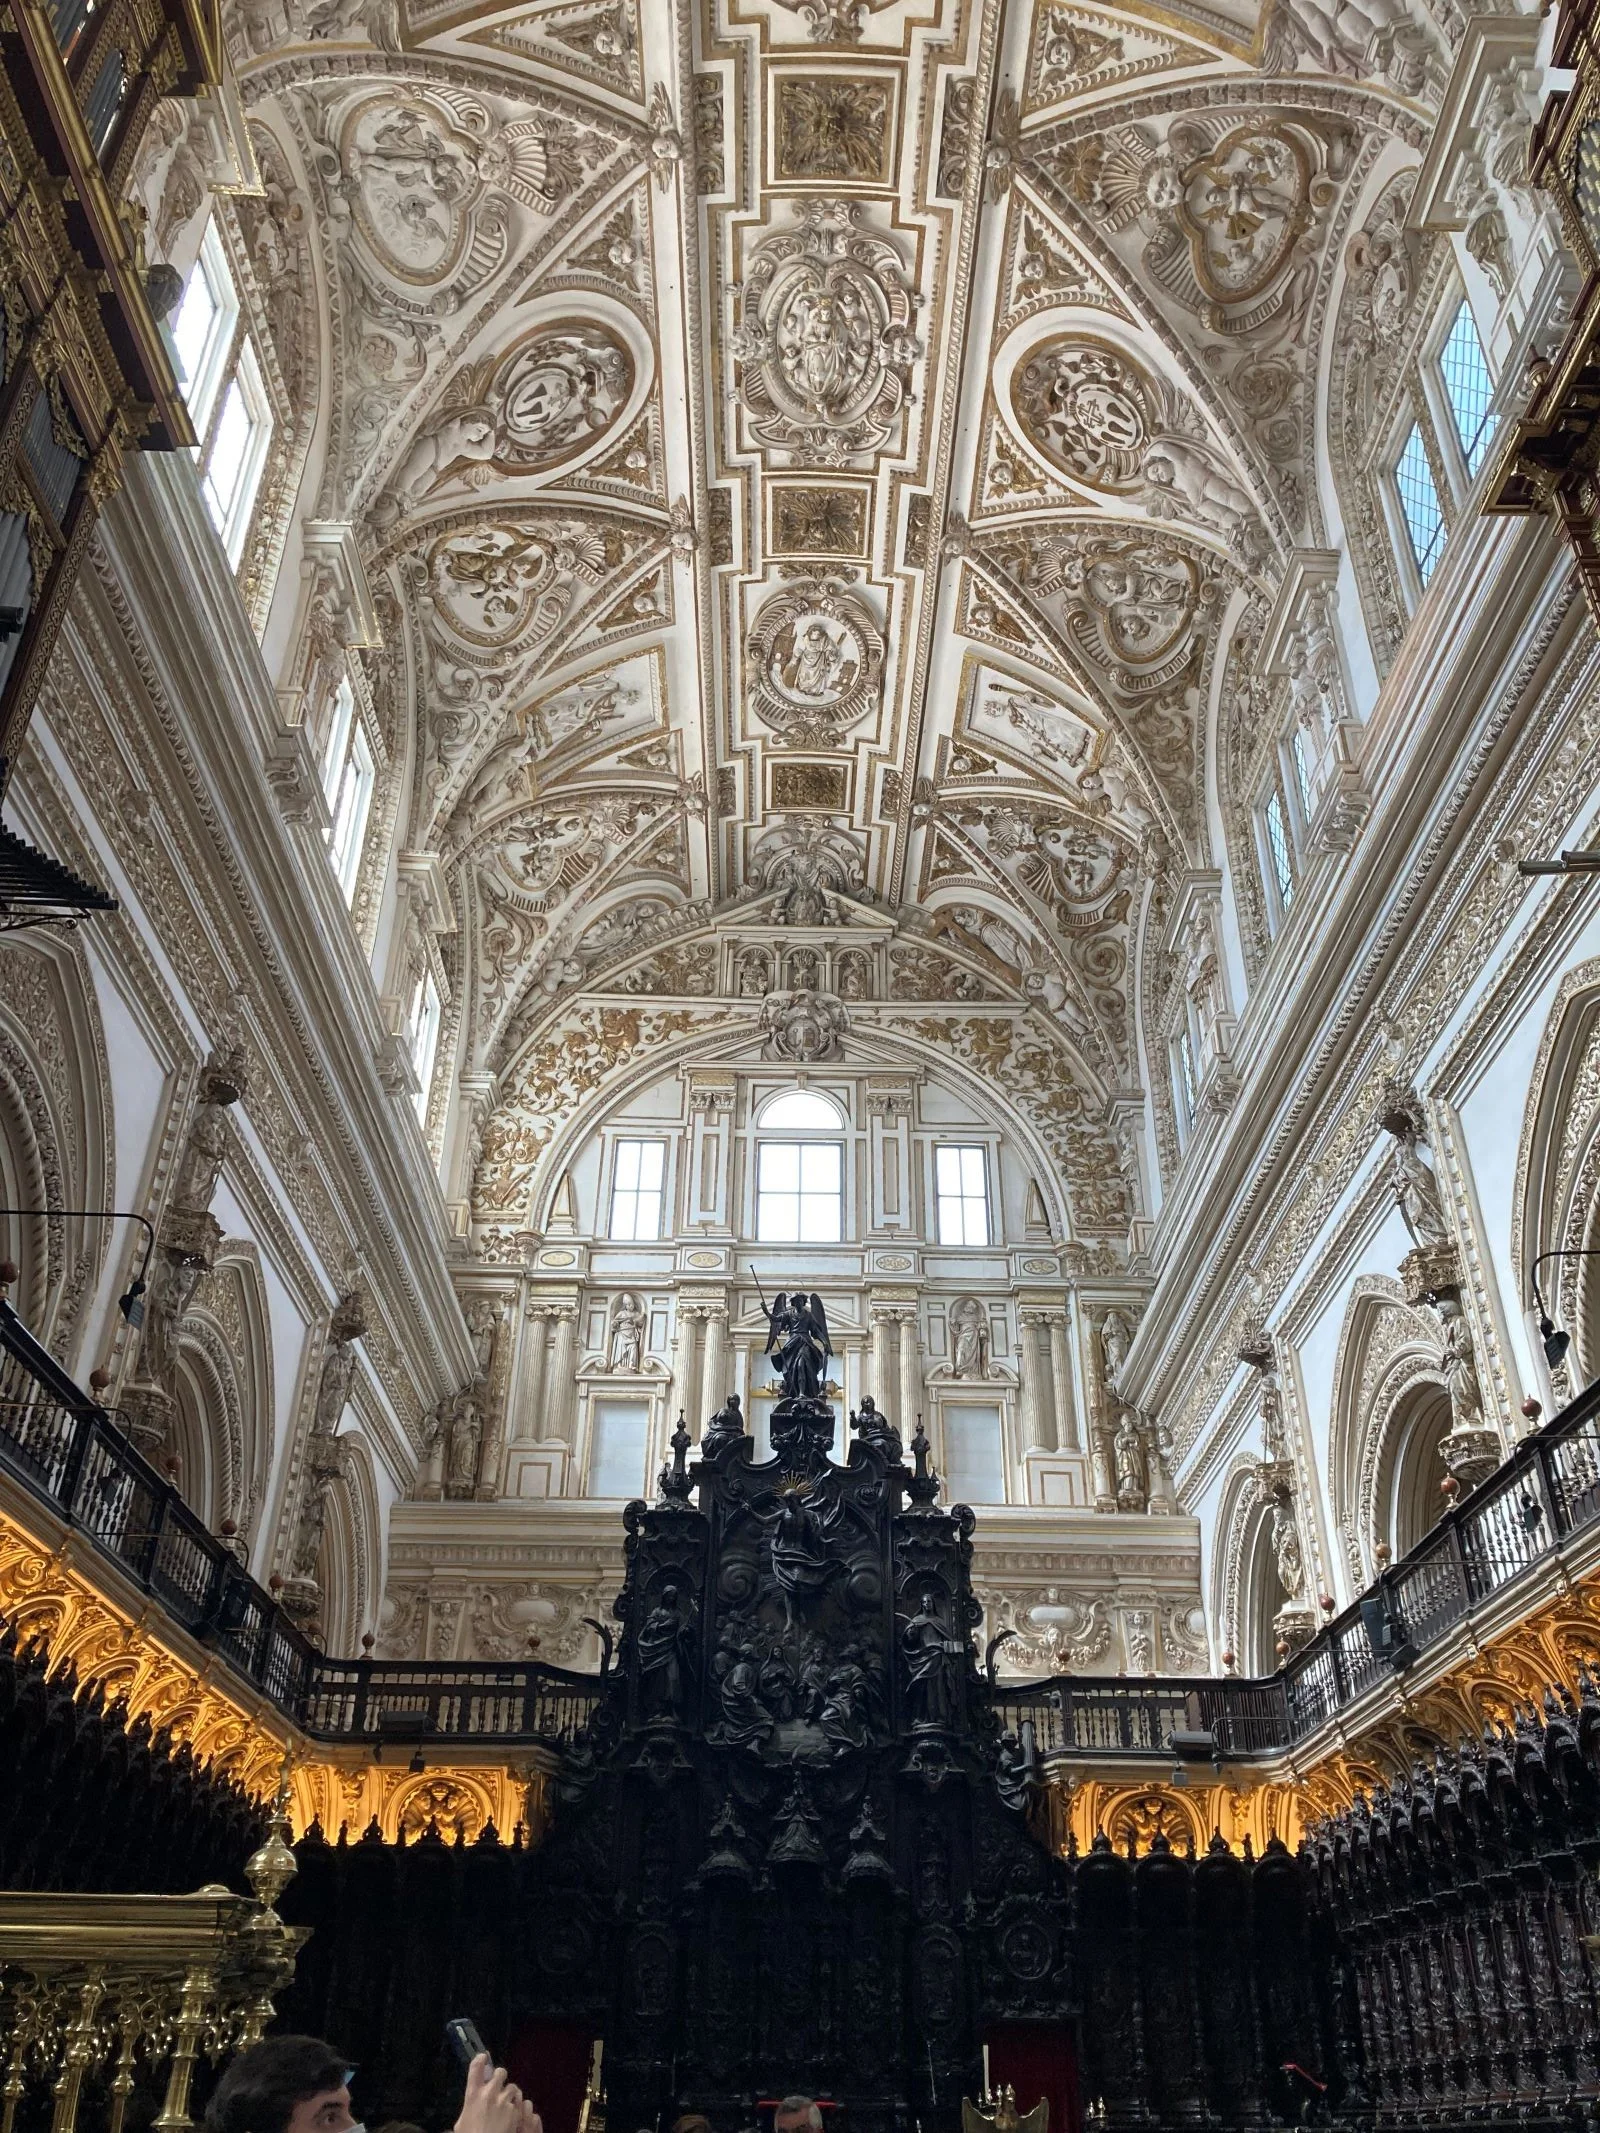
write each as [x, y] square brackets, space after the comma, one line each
[53, 1605]
[1278, 1799]
[1124, 1811]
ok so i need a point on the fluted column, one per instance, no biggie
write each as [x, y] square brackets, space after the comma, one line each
[558, 1422]
[910, 1373]
[879, 1388]
[1067, 1437]
[713, 1391]
[1037, 1433]
[686, 1363]
[527, 1421]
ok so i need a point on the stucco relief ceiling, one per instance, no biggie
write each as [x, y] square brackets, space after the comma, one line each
[844, 430]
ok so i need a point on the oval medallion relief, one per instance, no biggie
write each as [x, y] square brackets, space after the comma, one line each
[1089, 409]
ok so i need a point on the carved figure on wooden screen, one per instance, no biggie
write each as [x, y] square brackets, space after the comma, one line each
[801, 1567]
[725, 1427]
[873, 1427]
[933, 1659]
[666, 1653]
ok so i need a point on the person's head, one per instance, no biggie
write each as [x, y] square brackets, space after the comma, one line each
[283, 2085]
[797, 2114]
[692, 2122]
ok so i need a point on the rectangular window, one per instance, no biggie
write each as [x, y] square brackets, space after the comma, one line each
[237, 455]
[338, 747]
[618, 1435]
[202, 329]
[423, 1037]
[1302, 772]
[1278, 849]
[1468, 387]
[800, 1192]
[1419, 502]
[974, 1461]
[1186, 1075]
[352, 803]
[961, 1186]
[637, 1171]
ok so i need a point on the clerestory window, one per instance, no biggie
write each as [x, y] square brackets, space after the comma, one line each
[225, 394]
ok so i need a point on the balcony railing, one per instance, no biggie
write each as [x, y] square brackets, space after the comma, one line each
[69, 1452]
[1545, 1494]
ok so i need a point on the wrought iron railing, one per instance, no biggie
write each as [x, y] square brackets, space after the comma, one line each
[1078, 1715]
[479, 1701]
[70, 1452]
[1545, 1494]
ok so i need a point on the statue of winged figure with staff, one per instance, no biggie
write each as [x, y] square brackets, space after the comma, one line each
[798, 1343]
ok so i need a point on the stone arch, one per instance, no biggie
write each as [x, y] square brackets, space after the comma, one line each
[1388, 1392]
[1556, 1202]
[203, 1449]
[55, 1136]
[226, 1353]
[1245, 1590]
[351, 1548]
[606, 1057]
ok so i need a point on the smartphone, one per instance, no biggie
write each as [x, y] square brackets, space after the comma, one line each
[464, 2040]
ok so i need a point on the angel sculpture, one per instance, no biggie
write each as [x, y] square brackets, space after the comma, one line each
[798, 1343]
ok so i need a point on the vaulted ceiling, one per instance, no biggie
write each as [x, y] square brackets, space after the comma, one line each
[823, 440]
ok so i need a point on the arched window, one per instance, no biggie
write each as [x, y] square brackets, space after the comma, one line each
[801, 1110]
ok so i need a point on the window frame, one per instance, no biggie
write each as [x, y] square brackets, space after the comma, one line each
[229, 366]
[962, 1198]
[802, 1145]
[1433, 371]
[1185, 1077]
[201, 394]
[1280, 899]
[613, 1156]
[1425, 405]
[424, 1021]
[346, 845]
[1420, 568]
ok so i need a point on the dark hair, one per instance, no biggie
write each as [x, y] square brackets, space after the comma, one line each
[260, 2089]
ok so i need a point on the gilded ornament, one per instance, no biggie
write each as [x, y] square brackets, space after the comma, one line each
[828, 127]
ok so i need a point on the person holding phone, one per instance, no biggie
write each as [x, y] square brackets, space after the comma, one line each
[302, 2085]
[493, 2102]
